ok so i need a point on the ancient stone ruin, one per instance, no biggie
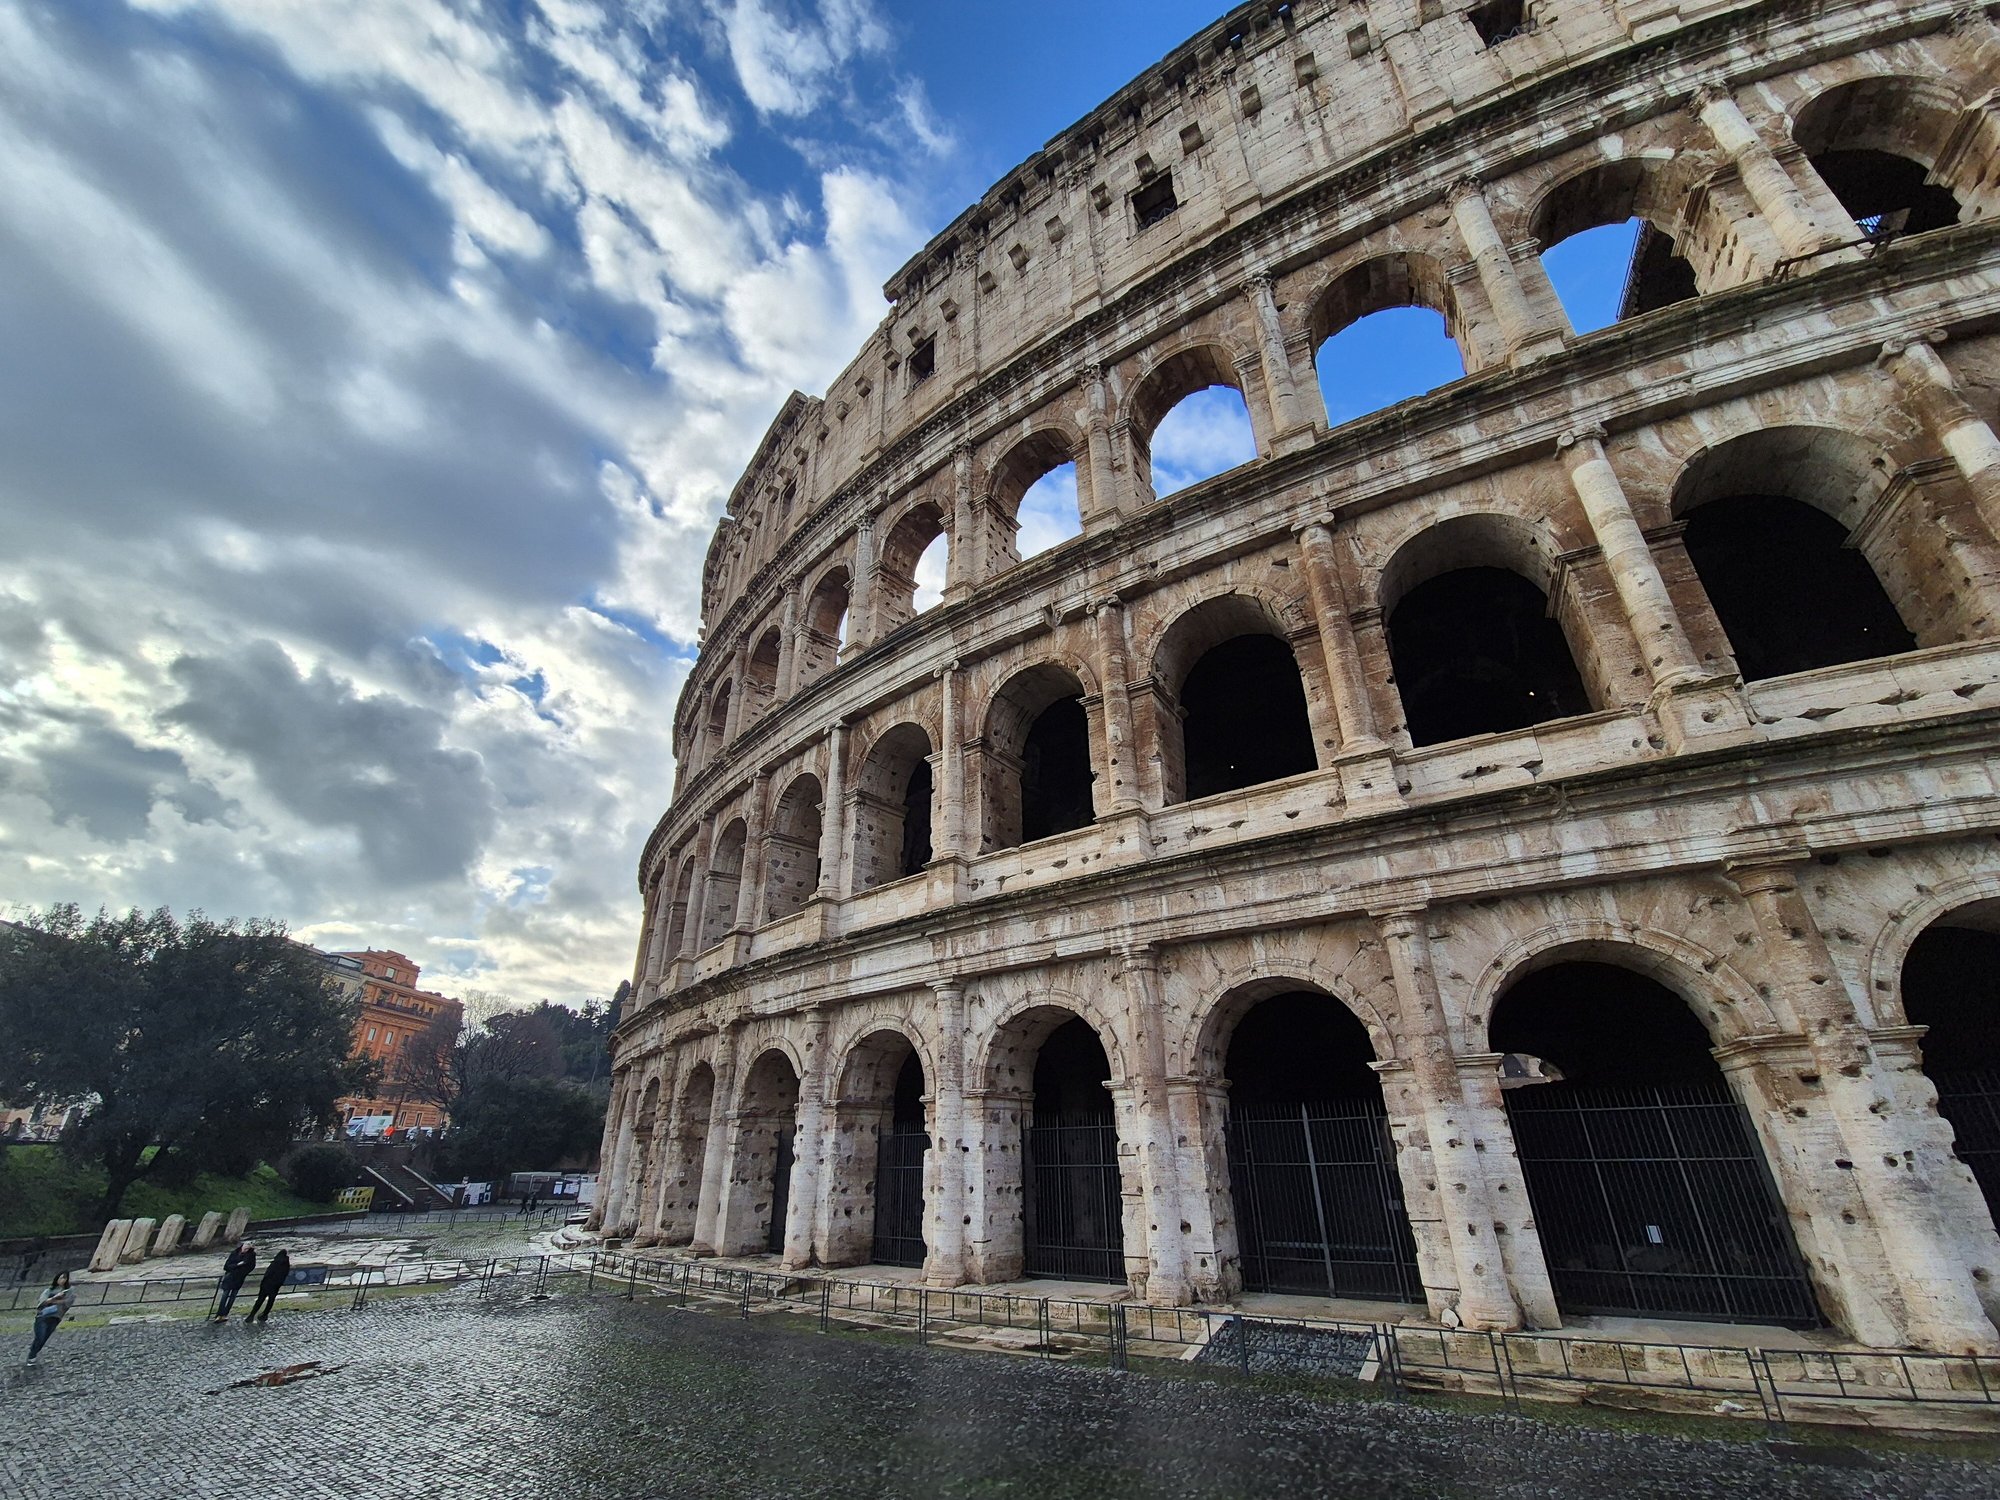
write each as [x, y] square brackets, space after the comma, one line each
[1532, 851]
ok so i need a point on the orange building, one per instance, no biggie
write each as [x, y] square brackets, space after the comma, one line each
[393, 1012]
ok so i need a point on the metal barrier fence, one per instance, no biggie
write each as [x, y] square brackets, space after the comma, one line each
[1400, 1359]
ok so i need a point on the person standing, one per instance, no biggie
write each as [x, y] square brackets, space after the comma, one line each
[235, 1271]
[268, 1289]
[54, 1306]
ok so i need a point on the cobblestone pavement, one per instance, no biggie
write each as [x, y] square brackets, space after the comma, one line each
[449, 1397]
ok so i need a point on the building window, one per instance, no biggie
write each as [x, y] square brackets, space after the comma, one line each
[1155, 200]
[371, 1033]
[923, 360]
[1498, 20]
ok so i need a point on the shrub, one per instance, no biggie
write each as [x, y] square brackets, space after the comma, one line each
[319, 1172]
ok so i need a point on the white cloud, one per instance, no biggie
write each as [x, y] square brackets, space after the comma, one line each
[785, 64]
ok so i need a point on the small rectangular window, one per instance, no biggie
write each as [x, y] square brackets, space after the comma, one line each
[1497, 20]
[923, 361]
[371, 1033]
[1155, 200]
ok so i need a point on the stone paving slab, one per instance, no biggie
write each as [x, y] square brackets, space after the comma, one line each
[455, 1397]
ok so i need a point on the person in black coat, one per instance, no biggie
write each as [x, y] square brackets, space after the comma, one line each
[268, 1289]
[235, 1271]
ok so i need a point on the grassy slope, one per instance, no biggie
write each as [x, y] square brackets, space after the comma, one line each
[43, 1192]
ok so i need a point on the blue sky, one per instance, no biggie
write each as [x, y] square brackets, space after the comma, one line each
[376, 370]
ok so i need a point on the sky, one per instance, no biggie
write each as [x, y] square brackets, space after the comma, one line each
[375, 372]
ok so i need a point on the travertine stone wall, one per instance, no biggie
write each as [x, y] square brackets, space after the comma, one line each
[1768, 851]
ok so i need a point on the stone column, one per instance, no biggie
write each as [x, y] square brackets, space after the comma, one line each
[1897, 1160]
[994, 1249]
[1778, 198]
[1153, 1130]
[1287, 412]
[861, 598]
[788, 641]
[1367, 771]
[697, 907]
[810, 1146]
[715, 1152]
[1198, 1110]
[1649, 608]
[948, 834]
[739, 692]
[1524, 331]
[656, 942]
[949, 1159]
[966, 568]
[1121, 771]
[1483, 1297]
[1098, 498]
[1514, 1215]
[1933, 395]
[610, 1213]
[833, 817]
[750, 884]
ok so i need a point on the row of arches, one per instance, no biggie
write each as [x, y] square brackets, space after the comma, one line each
[1770, 575]
[1647, 1166]
[1876, 157]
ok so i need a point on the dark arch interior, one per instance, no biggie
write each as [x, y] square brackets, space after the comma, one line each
[1475, 652]
[1070, 1073]
[916, 850]
[907, 1107]
[1603, 1024]
[1055, 772]
[1300, 1048]
[1951, 983]
[1244, 717]
[1659, 275]
[1791, 595]
[1886, 194]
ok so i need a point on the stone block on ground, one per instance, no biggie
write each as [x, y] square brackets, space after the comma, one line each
[239, 1223]
[105, 1256]
[168, 1240]
[137, 1238]
[206, 1231]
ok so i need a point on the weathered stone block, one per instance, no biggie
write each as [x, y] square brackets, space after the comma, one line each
[206, 1231]
[168, 1240]
[137, 1238]
[109, 1243]
[239, 1224]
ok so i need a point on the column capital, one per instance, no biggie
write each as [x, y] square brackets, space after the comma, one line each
[1894, 348]
[1139, 958]
[1578, 439]
[1773, 874]
[1260, 280]
[1465, 188]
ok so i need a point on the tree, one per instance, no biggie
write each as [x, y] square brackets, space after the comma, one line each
[521, 1125]
[196, 1045]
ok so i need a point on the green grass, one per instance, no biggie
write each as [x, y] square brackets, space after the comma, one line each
[44, 1192]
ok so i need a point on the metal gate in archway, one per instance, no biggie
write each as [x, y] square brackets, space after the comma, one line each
[1072, 1213]
[1319, 1206]
[781, 1191]
[899, 1196]
[1656, 1202]
[1969, 1100]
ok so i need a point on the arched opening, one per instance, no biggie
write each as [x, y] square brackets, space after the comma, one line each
[791, 851]
[1312, 1168]
[1072, 1224]
[1472, 645]
[1034, 501]
[1603, 249]
[1650, 1191]
[646, 1157]
[915, 545]
[1951, 984]
[677, 914]
[680, 1199]
[1382, 333]
[725, 879]
[1874, 142]
[1189, 422]
[892, 818]
[1035, 776]
[1241, 716]
[760, 674]
[876, 1191]
[718, 717]
[762, 1181]
[824, 627]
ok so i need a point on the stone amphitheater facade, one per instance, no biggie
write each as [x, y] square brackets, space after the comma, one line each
[1276, 1007]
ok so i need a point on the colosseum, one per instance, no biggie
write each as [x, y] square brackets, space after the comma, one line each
[1526, 854]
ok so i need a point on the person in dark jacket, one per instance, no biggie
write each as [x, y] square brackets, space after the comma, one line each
[55, 1304]
[235, 1271]
[268, 1289]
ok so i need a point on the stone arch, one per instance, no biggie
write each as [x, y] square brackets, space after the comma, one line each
[1049, 444]
[716, 721]
[823, 623]
[1019, 1030]
[1386, 282]
[1475, 639]
[725, 878]
[792, 847]
[677, 915]
[1877, 141]
[1206, 1037]
[893, 807]
[1899, 933]
[879, 1141]
[1727, 1004]
[1168, 378]
[1616, 190]
[1232, 709]
[686, 1153]
[760, 673]
[1858, 575]
[1036, 765]
[907, 533]
[765, 1125]
[646, 1133]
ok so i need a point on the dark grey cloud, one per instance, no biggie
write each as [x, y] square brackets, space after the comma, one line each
[101, 779]
[377, 766]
